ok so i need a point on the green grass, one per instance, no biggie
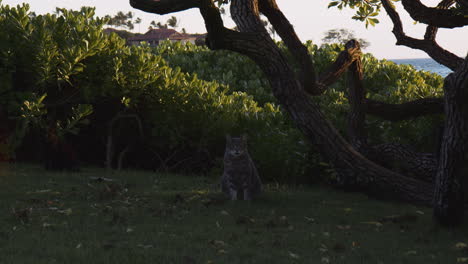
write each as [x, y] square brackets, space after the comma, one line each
[144, 217]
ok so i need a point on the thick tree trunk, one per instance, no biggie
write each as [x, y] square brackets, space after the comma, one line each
[452, 171]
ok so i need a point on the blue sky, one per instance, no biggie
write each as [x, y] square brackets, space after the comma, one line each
[311, 19]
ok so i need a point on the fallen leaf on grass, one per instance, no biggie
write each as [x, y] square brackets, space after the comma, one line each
[46, 225]
[377, 224]
[293, 255]
[40, 191]
[218, 243]
[323, 248]
[346, 227]
[78, 246]
[223, 212]
[100, 179]
[242, 220]
[461, 245]
[405, 218]
[145, 246]
[66, 211]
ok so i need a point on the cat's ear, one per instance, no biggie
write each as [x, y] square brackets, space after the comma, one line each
[228, 138]
[244, 137]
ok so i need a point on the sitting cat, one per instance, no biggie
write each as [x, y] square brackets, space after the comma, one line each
[240, 176]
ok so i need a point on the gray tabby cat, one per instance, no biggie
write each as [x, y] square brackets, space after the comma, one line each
[240, 176]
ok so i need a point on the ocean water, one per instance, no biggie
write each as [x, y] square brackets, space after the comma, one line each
[425, 64]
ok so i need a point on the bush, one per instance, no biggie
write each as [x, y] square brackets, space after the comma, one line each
[61, 73]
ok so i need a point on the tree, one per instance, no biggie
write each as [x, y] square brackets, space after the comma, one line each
[357, 163]
[173, 22]
[341, 36]
[121, 20]
[138, 22]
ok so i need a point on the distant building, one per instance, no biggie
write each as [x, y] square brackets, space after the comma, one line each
[154, 36]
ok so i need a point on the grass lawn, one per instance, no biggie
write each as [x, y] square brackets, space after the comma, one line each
[144, 217]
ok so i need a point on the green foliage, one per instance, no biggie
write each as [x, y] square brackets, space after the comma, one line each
[366, 10]
[62, 71]
[388, 82]
[226, 67]
[384, 80]
[90, 77]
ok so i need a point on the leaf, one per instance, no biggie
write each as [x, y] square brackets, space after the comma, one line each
[461, 245]
[145, 246]
[218, 243]
[332, 4]
[293, 255]
[45, 225]
[223, 212]
[377, 224]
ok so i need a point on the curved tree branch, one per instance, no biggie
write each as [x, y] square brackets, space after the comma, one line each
[163, 7]
[435, 16]
[422, 166]
[428, 44]
[287, 33]
[398, 112]
[357, 113]
[347, 57]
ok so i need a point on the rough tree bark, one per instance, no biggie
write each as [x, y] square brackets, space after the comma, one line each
[452, 170]
[293, 92]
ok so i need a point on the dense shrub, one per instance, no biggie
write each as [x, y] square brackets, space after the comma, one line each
[384, 80]
[61, 73]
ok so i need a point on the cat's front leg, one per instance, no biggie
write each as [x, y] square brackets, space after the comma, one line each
[247, 195]
[233, 194]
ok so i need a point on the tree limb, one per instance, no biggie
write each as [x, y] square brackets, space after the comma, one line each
[422, 166]
[445, 18]
[351, 53]
[357, 113]
[398, 112]
[163, 7]
[427, 45]
[287, 33]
